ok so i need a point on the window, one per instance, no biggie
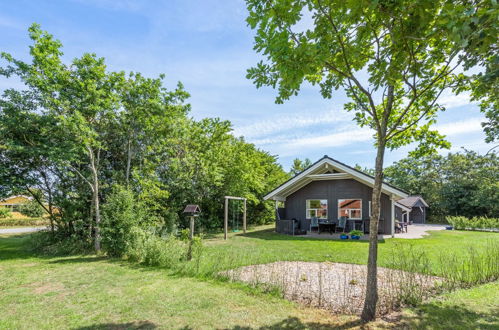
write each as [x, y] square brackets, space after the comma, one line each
[316, 208]
[350, 208]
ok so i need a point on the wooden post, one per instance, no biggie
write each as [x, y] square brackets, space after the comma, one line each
[226, 217]
[191, 234]
[392, 220]
[244, 217]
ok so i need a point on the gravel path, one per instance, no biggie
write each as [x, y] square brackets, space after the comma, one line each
[20, 230]
[337, 287]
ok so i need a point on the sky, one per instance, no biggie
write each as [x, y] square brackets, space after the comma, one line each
[208, 46]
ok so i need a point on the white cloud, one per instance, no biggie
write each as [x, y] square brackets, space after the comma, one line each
[450, 100]
[461, 127]
[281, 123]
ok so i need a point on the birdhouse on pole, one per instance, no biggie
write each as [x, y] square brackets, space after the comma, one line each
[192, 211]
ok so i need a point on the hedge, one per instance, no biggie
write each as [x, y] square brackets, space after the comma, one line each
[24, 222]
[475, 223]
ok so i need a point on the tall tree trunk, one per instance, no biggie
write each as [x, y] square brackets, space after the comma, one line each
[95, 198]
[371, 300]
[128, 162]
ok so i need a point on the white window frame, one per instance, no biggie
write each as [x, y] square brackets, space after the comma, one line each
[309, 209]
[370, 214]
[360, 209]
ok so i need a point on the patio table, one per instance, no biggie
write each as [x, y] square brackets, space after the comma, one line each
[330, 225]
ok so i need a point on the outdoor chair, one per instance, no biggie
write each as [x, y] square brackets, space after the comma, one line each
[296, 229]
[314, 223]
[342, 224]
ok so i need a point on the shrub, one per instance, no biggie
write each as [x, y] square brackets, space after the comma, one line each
[475, 223]
[45, 242]
[152, 250]
[32, 209]
[24, 222]
[4, 213]
[356, 232]
[120, 214]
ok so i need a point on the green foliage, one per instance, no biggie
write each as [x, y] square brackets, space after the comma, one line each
[47, 243]
[152, 250]
[463, 183]
[26, 222]
[475, 223]
[299, 166]
[120, 214]
[477, 266]
[356, 233]
[32, 209]
[79, 129]
[4, 213]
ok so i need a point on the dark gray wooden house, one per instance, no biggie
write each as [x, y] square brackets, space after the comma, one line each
[411, 209]
[329, 190]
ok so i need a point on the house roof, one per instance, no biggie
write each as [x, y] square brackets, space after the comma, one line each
[410, 201]
[402, 206]
[321, 170]
[6, 199]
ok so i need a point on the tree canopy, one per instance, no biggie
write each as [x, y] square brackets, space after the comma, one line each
[78, 132]
[393, 59]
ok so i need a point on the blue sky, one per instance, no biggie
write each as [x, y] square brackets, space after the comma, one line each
[208, 47]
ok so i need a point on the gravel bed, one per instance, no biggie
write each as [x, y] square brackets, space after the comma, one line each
[337, 287]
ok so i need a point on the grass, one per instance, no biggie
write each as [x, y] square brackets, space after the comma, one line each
[475, 308]
[92, 292]
[262, 245]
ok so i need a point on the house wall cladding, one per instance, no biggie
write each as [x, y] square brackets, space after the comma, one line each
[416, 215]
[332, 190]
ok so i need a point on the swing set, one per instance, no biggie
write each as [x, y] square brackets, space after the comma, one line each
[235, 213]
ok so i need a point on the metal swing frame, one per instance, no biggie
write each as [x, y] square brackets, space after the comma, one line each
[226, 213]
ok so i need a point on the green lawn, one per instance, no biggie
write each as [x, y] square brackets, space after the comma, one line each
[262, 245]
[476, 308]
[91, 292]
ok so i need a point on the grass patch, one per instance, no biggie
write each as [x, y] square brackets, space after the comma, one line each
[262, 245]
[88, 291]
[475, 308]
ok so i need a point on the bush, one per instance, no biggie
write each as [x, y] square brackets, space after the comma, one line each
[24, 222]
[45, 242]
[149, 249]
[119, 215]
[4, 213]
[475, 223]
[32, 209]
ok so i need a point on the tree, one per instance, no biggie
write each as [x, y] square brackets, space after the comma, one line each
[472, 25]
[392, 58]
[31, 209]
[78, 130]
[299, 165]
[463, 183]
[81, 96]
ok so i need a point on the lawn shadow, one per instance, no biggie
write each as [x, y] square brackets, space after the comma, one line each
[78, 259]
[270, 234]
[435, 315]
[138, 325]
[295, 323]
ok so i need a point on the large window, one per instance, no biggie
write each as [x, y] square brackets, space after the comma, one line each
[316, 208]
[350, 208]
